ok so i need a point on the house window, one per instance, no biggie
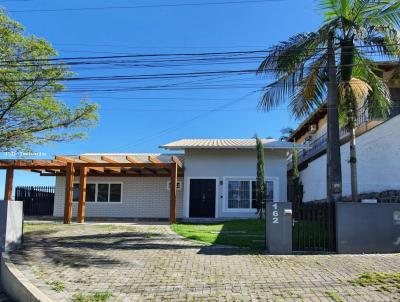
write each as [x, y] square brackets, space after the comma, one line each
[104, 192]
[268, 194]
[75, 194]
[242, 194]
[115, 192]
[239, 194]
[90, 192]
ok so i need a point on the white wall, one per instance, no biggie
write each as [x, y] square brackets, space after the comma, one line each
[378, 156]
[233, 163]
[142, 197]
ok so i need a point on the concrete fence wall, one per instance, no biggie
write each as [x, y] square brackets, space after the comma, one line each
[378, 164]
[367, 228]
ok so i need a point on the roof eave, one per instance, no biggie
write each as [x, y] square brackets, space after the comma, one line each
[227, 147]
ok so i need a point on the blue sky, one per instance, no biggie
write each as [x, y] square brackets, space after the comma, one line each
[140, 121]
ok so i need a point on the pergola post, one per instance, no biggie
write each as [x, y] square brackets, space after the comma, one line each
[82, 195]
[9, 184]
[69, 186]
[172, 204]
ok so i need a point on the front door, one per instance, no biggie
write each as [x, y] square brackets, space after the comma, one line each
[202, 198]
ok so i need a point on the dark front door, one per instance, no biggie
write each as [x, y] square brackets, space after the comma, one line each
[202, 198]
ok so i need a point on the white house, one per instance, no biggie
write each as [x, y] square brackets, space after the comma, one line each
[378, 164]
[217, 181]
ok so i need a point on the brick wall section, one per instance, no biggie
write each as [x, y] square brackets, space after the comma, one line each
[142, 197]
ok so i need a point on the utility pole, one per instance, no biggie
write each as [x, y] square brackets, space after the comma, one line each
[333, 160]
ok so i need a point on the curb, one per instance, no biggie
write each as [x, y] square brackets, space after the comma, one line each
[16, 285]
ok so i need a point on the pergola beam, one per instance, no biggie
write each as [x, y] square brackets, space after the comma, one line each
[154, 160]
[172, 203]
[67, 159]
[132, 159]
[69, 186]
[123, 165]
[112, 175]
[177, 161]
[9, 184]
[82, 195]
[89, 160]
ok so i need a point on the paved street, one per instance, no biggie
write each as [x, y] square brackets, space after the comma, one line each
[151, 263]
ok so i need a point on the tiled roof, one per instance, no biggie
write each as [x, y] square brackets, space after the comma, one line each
[226, 144]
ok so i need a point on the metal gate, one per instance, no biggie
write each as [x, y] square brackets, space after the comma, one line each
[38, 201]
[314, 227]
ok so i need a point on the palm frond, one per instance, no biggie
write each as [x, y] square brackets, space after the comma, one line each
[384, 13]
[384, 39]
[277, 92]
[289, 55]
[311, 92]
[360, 90]
[331, 9]
[379, 100]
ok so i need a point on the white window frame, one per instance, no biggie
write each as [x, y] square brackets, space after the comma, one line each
[226, 180]
[96, 183]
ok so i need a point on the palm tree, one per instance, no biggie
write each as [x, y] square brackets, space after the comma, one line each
[361, 28]
[286, 133]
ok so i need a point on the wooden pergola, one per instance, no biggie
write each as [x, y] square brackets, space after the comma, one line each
[95, 166]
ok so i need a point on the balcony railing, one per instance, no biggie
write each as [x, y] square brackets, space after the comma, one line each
[319, 144]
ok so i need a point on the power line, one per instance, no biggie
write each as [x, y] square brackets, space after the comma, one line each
[186, 122]
[199, 54]
[158, 76]
[141, 6]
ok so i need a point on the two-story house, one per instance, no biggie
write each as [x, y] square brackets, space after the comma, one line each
[378, 149]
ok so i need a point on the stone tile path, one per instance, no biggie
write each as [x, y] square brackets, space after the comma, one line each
[151, 263]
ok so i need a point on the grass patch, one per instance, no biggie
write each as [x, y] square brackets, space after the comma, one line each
[95, 297]
[334, 296]
[243, 233]
[57, 286]
[388, 282]
[38, 227]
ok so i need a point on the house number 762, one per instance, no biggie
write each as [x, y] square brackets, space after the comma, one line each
[275, 213]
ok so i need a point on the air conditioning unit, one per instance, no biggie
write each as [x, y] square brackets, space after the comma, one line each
[313, 128]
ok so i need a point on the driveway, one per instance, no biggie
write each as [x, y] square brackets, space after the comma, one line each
[151, 263]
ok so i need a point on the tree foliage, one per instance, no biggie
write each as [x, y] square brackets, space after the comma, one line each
[30, 113]
[361, 28]
[260, 196]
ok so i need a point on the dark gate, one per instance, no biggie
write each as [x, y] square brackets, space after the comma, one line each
[38, 201]
[314, 227]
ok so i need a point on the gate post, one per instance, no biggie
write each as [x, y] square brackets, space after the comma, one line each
[279, 226]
